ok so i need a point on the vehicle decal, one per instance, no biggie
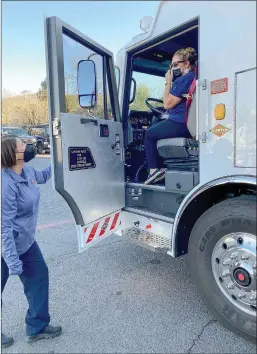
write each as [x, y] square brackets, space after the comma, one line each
[100, 228]
[80, 158]
[219, 130]
[219, 86]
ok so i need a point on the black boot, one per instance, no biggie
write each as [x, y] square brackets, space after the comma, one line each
[6, 341]
[48, 333]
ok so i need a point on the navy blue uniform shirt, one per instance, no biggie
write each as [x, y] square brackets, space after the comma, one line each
[179, 88]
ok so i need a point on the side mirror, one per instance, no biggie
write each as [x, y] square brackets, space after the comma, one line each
[132, 90]
[87, 83]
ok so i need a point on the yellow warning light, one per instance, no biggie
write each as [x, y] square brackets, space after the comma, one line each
[219, 111]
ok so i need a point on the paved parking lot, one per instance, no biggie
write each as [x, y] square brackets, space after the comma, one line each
[114, 298]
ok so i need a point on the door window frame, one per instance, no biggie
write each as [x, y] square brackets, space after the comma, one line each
[54, 29]
[117, 69]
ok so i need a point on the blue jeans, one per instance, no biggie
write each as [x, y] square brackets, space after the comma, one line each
[35, 281]
[163, 130]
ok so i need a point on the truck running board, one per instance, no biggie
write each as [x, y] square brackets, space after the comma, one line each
[153, 242]
[147, 230]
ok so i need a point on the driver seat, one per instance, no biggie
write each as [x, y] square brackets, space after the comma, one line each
[182, 153]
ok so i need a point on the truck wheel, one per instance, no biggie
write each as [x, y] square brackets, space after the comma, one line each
[222, 258]
[39, 148]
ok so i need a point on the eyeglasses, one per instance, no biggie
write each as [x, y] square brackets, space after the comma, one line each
[174, 65]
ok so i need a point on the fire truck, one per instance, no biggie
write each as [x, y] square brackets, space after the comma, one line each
[206, 206]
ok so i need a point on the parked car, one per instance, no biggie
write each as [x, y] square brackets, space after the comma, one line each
[22, 134]
[41, 133]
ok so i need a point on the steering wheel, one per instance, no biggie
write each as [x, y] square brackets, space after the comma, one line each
[157, 111]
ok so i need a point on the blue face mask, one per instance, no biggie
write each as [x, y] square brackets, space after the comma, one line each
[176, 73]
[28, 155]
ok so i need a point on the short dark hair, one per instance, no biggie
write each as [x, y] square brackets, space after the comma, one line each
[8, 151]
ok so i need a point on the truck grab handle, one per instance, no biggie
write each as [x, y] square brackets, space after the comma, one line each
[88, 120]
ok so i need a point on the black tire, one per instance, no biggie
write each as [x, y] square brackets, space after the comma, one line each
[232, 215]
[39, 148]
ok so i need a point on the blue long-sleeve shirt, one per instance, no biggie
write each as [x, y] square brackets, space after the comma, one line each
[20, 204]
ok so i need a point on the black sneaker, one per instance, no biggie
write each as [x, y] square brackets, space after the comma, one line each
[157, 176]
[48, 333]
[6, 341]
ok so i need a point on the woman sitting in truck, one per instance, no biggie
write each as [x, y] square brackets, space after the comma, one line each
[178, 80]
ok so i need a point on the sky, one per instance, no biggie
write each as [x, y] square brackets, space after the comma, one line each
[110, 23]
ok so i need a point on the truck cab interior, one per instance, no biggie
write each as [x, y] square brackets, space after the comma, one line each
[180, 155]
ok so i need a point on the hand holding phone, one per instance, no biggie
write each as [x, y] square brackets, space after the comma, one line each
[169, 76]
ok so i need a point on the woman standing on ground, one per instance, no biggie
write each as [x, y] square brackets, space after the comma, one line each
[21, 254]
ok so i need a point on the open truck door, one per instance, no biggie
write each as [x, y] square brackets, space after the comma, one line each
[86, 131]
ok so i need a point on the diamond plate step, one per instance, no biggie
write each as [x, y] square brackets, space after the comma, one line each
[153, 242]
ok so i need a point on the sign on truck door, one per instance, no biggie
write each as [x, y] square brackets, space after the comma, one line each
[87, 137]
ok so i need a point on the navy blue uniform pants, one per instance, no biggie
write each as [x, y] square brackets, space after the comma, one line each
[35, 281]
[163, 130]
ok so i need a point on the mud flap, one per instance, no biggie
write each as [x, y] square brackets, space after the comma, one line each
[96, 231]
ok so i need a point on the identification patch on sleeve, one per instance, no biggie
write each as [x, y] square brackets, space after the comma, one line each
[80, 158]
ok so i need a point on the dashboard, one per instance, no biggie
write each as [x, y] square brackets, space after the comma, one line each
[140, 119]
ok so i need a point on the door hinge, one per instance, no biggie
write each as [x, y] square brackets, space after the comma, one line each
[204, 136]
[122, 154]
[56, 126]
[203, 84]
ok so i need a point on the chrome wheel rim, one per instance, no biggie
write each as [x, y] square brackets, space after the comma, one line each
[234, 269]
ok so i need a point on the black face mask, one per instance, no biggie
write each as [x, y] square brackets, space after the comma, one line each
[176, 73]
[28, 155]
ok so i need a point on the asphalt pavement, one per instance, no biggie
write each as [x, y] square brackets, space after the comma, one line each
[115, 297]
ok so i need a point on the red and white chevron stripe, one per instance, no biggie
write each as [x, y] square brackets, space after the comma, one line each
[101, 228]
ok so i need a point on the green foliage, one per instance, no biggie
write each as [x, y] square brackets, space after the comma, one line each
[30, 109]
[42, 92]
[142, 93]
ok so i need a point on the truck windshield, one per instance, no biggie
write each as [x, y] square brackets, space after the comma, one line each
[146, 86]
[14, 131]
[39, 130]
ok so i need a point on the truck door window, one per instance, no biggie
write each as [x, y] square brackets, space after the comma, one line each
[73, 53]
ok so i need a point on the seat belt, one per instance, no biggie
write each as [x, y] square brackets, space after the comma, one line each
[189, 98]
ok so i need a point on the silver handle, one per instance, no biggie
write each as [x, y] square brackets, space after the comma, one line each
[88, 120]
[197, 109]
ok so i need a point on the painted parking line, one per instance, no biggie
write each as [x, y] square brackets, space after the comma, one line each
[54, 224]
[43, 156]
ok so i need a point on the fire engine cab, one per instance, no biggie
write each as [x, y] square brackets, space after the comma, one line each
[98, 115]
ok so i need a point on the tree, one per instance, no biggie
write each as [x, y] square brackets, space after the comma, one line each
[142, 92]
[43, 85]
[42, 92]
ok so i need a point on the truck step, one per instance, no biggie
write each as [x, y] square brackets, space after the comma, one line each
[153, 242]
[144, 212]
